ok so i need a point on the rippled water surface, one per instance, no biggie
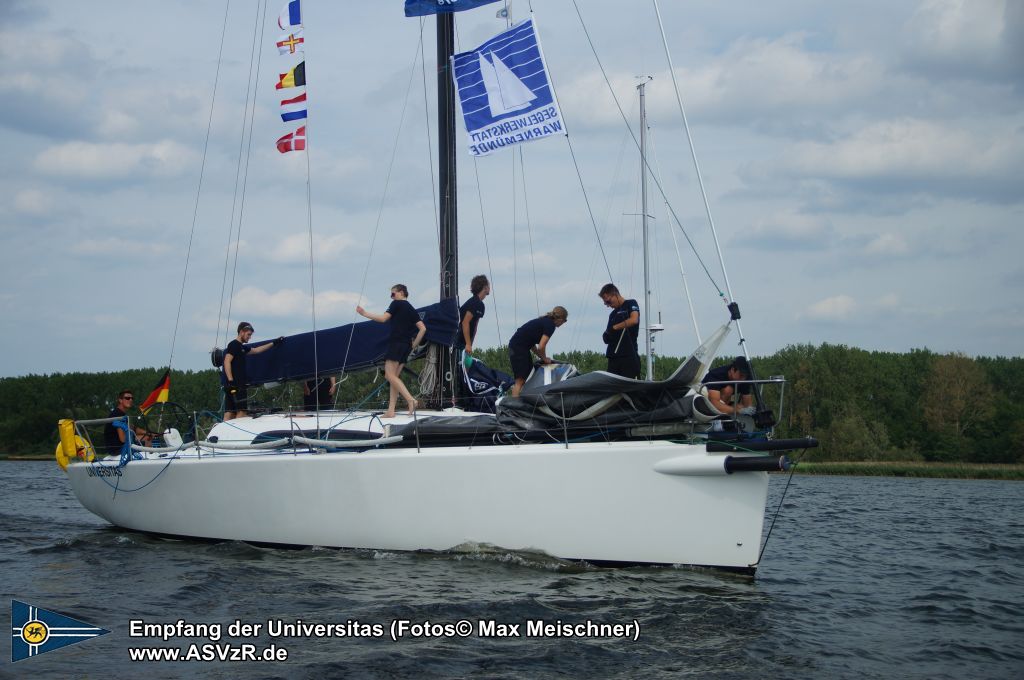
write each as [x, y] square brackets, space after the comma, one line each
[862, 578]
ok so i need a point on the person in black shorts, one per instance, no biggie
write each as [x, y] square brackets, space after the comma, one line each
[405, 321]
[722, 395]
[236, 397]
[532, 336]
[622, 333]
[319, 394]
[471, 312]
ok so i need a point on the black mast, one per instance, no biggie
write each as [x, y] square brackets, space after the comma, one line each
[446, 368]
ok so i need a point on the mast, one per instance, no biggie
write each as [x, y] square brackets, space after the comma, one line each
[648, 330]
[449, 238]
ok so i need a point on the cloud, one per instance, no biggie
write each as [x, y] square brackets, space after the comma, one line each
[911, 155]
[33, 202]
[294, 249]
[119, 248]
[966, 39]
[844, 308]
[252, 301]
[889, 245]
[89, 161]
[835, 308]
[789, 230]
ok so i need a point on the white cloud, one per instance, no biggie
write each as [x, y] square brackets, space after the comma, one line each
[119, 247]
[887, 245]
[915, 149]
[958, 31]
[33, 202]
[252, 301]
[86, 160]
[835, 308]
[295, 248]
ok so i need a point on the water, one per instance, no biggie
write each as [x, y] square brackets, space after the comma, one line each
[863, 578]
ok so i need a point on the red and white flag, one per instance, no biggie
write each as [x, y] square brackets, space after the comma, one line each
[293, 141]
[290, 43]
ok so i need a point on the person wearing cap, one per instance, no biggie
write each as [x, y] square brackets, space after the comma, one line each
[236, 398]
[532, 336]
[722, 390]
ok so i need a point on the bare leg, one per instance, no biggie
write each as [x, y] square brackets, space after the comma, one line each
[229, 415]
[518, 387]
[391, 371]
[400, 386]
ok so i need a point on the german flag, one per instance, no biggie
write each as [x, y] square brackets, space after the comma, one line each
[160, 394]
[294, 78]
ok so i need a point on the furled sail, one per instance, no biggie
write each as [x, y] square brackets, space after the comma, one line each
[607, 400]
[352, 347]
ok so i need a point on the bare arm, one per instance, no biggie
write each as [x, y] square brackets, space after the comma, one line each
[717, 400]
[466, 319]
[228, 358]
[633, 320]
[379, 318]
[262, 348]
[419, 336]
[539, 349]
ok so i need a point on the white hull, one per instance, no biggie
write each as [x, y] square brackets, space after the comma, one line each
[601, 502]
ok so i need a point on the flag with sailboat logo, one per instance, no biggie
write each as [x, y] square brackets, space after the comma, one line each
[419, 8]
[505, 93]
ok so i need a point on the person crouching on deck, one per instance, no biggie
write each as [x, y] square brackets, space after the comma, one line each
[404, 338]
[532, 336]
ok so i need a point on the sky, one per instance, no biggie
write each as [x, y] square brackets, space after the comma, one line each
[863, 163]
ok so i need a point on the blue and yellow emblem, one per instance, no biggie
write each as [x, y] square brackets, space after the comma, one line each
[35, 631]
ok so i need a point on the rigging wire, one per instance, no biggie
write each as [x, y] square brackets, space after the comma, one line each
[384, 194]
[430, 142]
[637, 142]
[245, 174]
[679, 259]
[487, 247]
[579, 176]
[249, 84]
[529, 228]
[199, 190]
[312, 276]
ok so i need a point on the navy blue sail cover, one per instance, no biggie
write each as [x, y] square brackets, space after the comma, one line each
[419, 8]
[352, 347]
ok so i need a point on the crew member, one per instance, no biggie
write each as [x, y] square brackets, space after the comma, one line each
[723, 394]
[236, 397]
[622, 333]
[114, 436]
[532, 336]
[405, 322]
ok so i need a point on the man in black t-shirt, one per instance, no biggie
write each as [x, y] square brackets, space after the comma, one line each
[471, 312]
[236, 396]
[722, 395]
[621, 333]
[114, 436]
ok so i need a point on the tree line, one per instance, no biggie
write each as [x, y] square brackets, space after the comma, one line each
[861, 405]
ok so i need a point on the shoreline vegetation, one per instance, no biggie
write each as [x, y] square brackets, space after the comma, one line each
[905, 414]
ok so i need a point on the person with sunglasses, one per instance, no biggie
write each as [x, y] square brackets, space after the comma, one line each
[405, 322]
[114, 436]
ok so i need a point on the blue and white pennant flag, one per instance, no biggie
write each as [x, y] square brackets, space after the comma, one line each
[505, 93]
[35, 631]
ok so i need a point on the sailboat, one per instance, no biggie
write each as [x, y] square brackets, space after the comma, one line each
[595, 467]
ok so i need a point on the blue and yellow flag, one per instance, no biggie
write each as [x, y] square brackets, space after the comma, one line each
[35, 631]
